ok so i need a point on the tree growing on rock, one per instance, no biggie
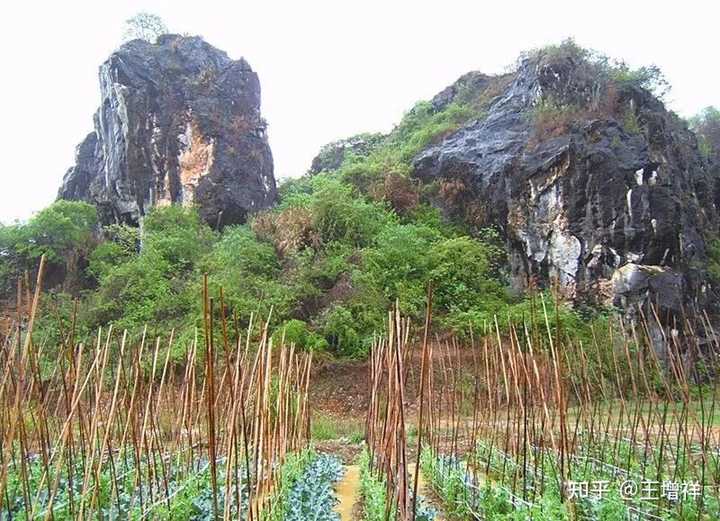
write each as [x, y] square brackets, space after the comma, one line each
[144, 26]
[707, 127]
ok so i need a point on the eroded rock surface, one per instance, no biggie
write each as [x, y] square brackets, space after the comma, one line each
[179, 122]
[610, 210]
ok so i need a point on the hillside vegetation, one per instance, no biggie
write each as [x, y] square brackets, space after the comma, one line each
[325, 264]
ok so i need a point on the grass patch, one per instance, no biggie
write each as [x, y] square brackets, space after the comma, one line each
[326, 428]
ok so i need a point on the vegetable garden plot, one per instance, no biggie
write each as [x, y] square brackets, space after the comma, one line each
[543, 428]
[306, 485]
[117, 431]
[536, 426]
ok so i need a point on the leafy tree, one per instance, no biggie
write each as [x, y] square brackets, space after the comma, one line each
[135, 294]
[64, 232]
[153, 286]
[297, 332]
[144, 26]
[64, 227]
[121, 245]
[648, 77]
[460, 274]
[104, 259]
[340, 215]
[340, 327]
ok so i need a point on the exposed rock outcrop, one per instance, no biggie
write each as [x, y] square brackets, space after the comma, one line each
[610, 199]
[179, 122]
[332, 155]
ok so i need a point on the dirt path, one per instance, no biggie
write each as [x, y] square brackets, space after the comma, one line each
[348, 492]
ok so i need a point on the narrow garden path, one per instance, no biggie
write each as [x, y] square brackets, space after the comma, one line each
[348, 492]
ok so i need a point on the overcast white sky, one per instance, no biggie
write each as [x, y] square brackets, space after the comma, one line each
[327, 69]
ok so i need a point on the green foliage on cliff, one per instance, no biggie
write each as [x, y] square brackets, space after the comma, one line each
[331, 291]
[582, 84]
[324, 266]
[707, 127]
[421, 126]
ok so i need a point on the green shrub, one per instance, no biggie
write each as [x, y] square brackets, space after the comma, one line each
[398, 264]
[62, 228]
[341, 215]
[248, 271]
[460, 274]
[296, 332]
[105, 258]
[649, 77]
[340, 328]
[153, 287]
[421, 126]
[372, 491]
[135, 294]
[177, 236]
[553, 118]
[630, 121]
[296, 193]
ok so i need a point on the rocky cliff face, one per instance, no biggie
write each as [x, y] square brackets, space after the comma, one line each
[179, 122]
[595, 186]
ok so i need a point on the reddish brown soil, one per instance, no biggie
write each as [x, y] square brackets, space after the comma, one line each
[340, 388]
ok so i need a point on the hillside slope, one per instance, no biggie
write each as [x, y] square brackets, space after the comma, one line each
[596, 188]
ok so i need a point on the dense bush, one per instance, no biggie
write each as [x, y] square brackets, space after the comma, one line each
[176, 236]
[248, 271]
[150, 286]
[329, 293]
[296, 332]
[340, 215]
[399, 265]
[421, 126]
